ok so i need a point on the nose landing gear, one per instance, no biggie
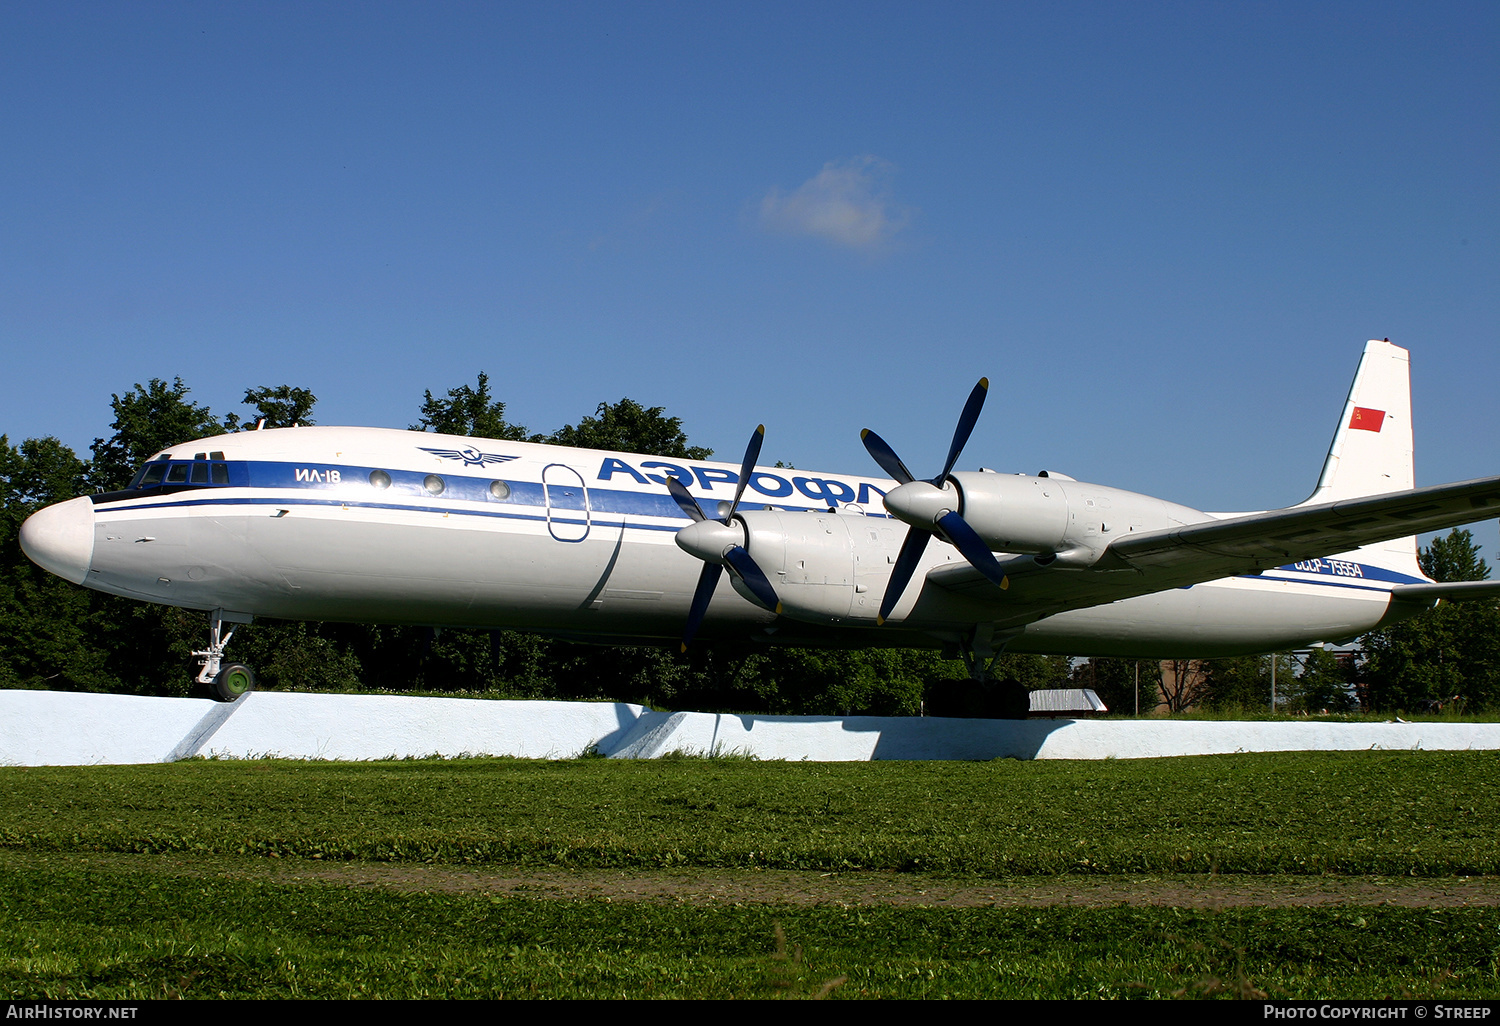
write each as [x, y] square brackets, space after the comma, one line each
[226, 681]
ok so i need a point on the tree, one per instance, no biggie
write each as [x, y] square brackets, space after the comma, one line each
[282, 406]
[1184, 684]
[1447, 652]
[1114, 681]
[472, 412]
[1323, 684]
[45, 635]
[37, 473]
[860, 682]
[627, 426]
[1454, 558]
[147, 420]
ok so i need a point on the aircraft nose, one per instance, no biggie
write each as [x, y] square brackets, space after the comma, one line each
[60, 538]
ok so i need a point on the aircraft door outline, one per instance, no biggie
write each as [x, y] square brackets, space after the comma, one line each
[565, 492]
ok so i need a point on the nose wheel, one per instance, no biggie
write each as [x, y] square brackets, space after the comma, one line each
[232, 681]
[226, 681]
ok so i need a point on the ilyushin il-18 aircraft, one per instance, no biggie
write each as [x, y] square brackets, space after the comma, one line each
[379, 525]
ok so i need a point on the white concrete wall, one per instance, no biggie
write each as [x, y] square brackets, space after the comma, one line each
[48, 728]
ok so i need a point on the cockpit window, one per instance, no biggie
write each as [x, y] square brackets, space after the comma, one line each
[164, 472]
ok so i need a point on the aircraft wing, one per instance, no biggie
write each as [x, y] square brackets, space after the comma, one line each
[1153, 561]
[1223, 548]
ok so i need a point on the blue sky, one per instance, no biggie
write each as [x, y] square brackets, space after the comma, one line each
[1163, 231]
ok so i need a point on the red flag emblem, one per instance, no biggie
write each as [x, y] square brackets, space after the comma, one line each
[1367, 420]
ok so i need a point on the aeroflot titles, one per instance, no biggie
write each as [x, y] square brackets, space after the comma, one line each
[773, 486]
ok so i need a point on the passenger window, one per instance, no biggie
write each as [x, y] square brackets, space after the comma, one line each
[380, 479]
[500, 490]
[434, 484]
[200, 473]
[177, 474]
[221, 474]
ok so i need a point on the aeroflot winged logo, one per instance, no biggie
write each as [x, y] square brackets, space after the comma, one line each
[471, 457]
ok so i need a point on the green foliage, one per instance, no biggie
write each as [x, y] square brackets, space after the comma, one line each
[37, 473]
[45, 622]
[469, 411]
[1033, 672]
[147, 420]
[1244, 682]
[1446, 654]
[1114, 681]
[627, 426]
[282, 406]
[1454, 558]
[866, 682]
[1323, 685]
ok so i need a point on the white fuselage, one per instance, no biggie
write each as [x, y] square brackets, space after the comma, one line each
[378, 525]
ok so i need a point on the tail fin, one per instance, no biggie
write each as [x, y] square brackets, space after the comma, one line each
[1372, 449]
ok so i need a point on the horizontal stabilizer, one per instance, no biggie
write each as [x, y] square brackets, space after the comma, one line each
[1453, 591]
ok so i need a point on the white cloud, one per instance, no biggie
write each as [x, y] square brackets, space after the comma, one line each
[847, 204]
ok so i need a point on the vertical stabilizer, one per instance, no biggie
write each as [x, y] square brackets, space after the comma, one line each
[1371, 452]
[1372, 448]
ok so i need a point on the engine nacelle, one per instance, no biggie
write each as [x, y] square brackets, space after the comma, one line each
[827, 568]
[1054, 515]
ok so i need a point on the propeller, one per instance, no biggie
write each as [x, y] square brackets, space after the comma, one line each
[719, 543]
[927, 505]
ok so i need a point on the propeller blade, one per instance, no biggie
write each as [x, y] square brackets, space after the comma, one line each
[906, 564]
[705, 542]
[973, 548]
[685, 500]
[745, 568]
[886, 456]
[708, 579]
[965, 427]
[747, 466]
[914, 505]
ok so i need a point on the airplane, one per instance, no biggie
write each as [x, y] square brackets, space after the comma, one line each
[381, 525]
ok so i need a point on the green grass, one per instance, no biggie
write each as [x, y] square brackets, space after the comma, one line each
[80, 935]
[1426, 814]
[84, 919]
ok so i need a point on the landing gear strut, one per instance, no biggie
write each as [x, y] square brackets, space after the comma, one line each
[226, 681]
[981, 696]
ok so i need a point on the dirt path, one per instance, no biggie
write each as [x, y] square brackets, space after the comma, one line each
[810, 888]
